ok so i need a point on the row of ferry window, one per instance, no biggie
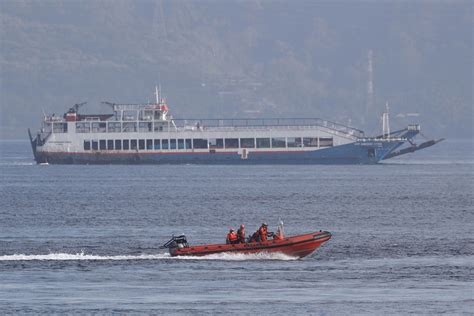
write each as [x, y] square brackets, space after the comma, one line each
[116, 127]
[196, 143]
[103, 127]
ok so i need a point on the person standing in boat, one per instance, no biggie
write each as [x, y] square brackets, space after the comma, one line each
[262, 232]
[232, 237]
[241, 234]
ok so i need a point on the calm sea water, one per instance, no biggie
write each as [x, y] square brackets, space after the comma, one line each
[85, 239]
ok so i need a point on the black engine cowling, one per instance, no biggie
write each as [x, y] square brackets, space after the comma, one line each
[176, 242]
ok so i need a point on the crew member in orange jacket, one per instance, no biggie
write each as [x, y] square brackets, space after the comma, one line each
[232, 237]
[241, 234]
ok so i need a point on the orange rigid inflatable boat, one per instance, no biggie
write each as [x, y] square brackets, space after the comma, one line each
[295, 246]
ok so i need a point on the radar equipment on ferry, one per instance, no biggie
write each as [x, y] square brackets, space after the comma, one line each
[161, 102]
[76, 107]
[71, 114]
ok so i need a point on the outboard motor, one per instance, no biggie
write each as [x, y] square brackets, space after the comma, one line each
[176, 242]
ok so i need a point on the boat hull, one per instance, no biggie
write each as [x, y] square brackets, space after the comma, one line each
[295, 246]
[353, 153]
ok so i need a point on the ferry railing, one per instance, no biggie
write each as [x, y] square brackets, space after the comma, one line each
[220, 125]
[271, 122]
[272, 128]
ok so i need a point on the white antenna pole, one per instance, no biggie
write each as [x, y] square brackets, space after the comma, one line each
[157, 95]
[370, 84]
[386, 123]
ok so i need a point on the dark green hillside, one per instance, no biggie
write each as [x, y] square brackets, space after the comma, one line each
[240, 58]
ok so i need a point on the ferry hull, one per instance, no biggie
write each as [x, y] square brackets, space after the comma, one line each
[354, 153]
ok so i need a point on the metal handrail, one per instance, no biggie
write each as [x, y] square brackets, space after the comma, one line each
[269, 122]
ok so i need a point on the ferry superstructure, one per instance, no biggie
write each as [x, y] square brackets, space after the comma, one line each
[148, 134]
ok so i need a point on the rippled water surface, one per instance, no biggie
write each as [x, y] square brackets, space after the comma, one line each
[86, 239]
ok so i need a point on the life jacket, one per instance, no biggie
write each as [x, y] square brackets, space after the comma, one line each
[263, 233]
[232, 237]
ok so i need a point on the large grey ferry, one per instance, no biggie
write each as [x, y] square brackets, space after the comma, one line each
[148, 134]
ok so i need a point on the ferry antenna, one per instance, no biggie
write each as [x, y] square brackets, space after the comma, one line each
[157, 94]
[370, 84]
[386, 122]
